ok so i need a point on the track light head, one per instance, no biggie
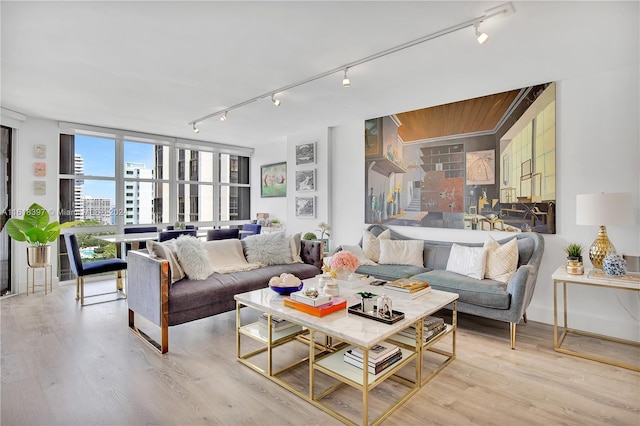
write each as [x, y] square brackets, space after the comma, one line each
[480, 36]
[275, 101]
[195, 129]
[345, 80]
[224, 116]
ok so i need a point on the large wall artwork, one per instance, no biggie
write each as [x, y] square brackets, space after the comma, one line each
[486, 163]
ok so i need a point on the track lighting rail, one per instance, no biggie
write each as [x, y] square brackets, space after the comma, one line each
[502, 10]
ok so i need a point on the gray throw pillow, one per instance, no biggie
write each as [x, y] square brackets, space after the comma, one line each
[268, 249]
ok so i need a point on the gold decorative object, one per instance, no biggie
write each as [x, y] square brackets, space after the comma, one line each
[602, 209]
[600, 248]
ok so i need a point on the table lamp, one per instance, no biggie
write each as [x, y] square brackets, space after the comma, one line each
[602, 209]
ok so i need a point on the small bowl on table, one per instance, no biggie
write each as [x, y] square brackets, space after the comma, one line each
[285, 291]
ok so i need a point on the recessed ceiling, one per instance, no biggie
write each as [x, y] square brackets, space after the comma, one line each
[155, 66]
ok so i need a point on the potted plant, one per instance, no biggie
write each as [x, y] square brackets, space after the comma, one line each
[574, 259]
[36, 229]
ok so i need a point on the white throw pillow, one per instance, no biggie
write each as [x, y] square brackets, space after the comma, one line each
[167, 250]
[268, 249]
[501, 260]
[401, 252]
[371, 244]
[193, 257]
[296, 246]
[357, 250]
[467, 261]
[225, 256]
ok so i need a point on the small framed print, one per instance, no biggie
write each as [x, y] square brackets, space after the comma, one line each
[39, 169]
[273, 180]
[306, 180]
[40, 151]
[306, 153]
[39, 187]
[306, 207]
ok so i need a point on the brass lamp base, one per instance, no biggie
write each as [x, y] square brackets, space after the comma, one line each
[600, 248]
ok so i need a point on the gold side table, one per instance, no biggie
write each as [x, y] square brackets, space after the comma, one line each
[590, 278]
[48, 278]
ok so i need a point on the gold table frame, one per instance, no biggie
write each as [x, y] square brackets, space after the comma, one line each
[561, 277]
[323, 357]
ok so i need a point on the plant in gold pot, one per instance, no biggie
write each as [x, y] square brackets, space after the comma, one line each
[574, 259]
[36, 229]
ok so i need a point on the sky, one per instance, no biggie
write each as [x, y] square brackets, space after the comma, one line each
[99, 160]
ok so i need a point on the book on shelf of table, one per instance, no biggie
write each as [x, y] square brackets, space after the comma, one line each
[337, 304]
[376, 352]
[429, 332]
[407, 285]
[277, 324]
[373, 367]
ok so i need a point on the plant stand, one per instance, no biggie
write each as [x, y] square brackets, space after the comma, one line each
[48, 278]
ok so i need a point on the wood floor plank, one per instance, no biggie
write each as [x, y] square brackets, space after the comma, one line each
[63, 364]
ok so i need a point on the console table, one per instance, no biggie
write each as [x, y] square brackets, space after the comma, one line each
[590, 278]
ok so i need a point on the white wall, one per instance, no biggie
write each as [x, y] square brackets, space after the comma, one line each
[284, 208]
[32, 132]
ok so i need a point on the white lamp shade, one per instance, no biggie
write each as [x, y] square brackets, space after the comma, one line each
[603, 209]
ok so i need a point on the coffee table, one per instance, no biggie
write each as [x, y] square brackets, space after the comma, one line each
[342, 330]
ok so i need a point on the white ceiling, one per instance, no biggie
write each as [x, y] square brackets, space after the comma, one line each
[155, 66]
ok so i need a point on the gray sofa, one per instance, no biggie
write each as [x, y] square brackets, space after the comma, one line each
[485, 298]
[151, 295]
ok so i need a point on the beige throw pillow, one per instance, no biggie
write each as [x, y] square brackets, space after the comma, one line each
[296, 247]
[501, 260]
[167, 251]
[371, 244]
[467, 261]
[401, 252]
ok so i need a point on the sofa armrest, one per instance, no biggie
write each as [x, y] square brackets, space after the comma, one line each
[521, 286]
[148, 286]
[311, 252]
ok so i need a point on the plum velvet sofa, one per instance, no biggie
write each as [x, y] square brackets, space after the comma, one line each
[151, 294]
[486, 298]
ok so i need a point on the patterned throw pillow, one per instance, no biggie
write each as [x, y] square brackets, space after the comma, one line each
[501, 260]
[371, 244]
[467, 261]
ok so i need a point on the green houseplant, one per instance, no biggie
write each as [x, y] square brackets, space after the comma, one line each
[36, 229]
[574, 259]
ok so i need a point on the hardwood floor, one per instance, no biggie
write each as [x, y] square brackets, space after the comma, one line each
[66, 365]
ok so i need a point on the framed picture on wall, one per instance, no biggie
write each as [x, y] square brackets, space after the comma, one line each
[40, 151]
[306, 153]
[306, 180]
[306, 207]
[273, 180]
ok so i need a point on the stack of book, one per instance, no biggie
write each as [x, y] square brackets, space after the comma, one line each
[406, 288]
[334, 305]
[277, 324]
[433, 326]
[381, 357]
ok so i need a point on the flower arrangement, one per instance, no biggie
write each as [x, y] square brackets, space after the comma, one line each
[344, 260]
[324, 229]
